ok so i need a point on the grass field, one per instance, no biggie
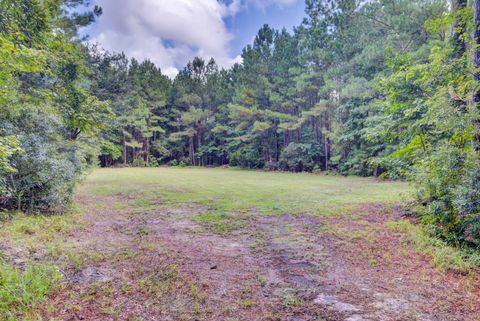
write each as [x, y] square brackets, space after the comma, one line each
[228, 244]
[234, 189]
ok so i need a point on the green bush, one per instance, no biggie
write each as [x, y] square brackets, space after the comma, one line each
[300, 157]
[46, 169]
[247, 157]
[153, 162]
[449, 183]
[109, 152]
[139, 162]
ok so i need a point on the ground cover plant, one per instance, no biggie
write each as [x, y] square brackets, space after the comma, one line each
[229, 244]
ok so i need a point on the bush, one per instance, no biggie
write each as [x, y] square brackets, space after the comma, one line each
[271, 166]
[153, 162]
[139, 162]
[184, 162]
[300, 157]
[466, 200]
[45, 171]
[247, 157]
[109, 152]
[449, 182]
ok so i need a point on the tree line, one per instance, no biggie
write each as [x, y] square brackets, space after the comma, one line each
[380, 88]
[299, 101]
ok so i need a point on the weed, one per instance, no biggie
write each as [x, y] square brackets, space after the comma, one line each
[159, 282]
[21, 291]
[444, 256]
[262, 280]
[289, 297]
[248, 303]
[219, 222]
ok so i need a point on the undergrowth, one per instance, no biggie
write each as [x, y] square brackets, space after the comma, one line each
[444, 256]
[21, 291]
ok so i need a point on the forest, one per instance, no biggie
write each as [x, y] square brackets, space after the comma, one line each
[334, 117]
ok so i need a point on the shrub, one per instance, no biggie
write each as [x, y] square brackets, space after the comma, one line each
[184, 161]
[139, 162]
[300, 157]
[247, 157]
[47, 168]
[153, 162]
[271, 166]
[449, 182]
[109, 152]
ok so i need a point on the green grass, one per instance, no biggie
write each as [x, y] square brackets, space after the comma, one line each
[22, 290]
[220, 222]
[444, 256]
[225, 190]
[226, 200]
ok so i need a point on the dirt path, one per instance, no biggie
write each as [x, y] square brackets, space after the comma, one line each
[157, 264]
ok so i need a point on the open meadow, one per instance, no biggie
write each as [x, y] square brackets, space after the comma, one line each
[228, 244]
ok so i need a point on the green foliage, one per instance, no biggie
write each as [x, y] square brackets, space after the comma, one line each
[8, 146]
[432, 119]
[21, 291]
[45, 105]
[46, 170]
[246, 157]
[299, 157]
[109, 152]
[110, 149]
[139, 162]
[153, 162]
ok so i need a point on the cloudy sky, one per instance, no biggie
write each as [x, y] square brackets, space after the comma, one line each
[172, 32]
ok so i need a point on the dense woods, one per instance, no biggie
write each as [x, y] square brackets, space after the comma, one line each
[380, 88]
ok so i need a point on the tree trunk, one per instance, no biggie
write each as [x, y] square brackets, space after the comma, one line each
[476, 66]
[476, 51]
[458, 28]
[326, 153]
[147, 151]
[124, 146]
[192, 151]
[199, 144]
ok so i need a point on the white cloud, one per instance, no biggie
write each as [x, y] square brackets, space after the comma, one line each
[266, 3]
[170, 32]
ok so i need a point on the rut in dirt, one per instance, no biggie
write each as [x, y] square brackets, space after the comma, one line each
[160, 265]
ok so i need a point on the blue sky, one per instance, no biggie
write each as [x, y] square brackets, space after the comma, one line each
[246, 23]
[172, 32]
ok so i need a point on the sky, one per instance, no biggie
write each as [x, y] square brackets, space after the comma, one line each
[172, 32]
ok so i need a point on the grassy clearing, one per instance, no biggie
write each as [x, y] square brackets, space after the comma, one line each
[222, 201]
[227, 197]
[226, 190]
